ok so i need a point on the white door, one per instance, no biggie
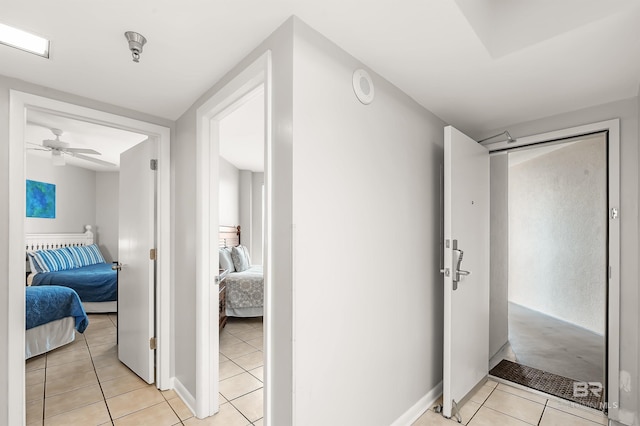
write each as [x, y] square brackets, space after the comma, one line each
[466, 263]
[136, 279]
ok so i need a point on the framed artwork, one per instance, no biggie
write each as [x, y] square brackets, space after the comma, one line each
[41, 199]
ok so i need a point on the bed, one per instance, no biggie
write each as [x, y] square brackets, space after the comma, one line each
[244, 282]
[78, 265]
[53, 315]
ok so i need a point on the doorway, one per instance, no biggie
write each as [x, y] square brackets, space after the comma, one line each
[21, 103]
[606, 321]
[208, 221]
[241, 179]
[490, 308]
[557, 269]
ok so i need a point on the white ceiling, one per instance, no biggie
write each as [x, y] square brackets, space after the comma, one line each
[109, 142]
[477, 64]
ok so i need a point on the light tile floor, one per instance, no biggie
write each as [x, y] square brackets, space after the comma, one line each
[500, 404]
[84, 383]
[241, 373]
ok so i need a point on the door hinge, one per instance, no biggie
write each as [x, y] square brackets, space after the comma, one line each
[153, 343]
[152, 254]
[153, 164]
[614, 213]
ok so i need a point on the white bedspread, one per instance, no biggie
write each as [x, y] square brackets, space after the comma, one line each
[245, 293]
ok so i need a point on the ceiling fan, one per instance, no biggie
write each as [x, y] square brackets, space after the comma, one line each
[60, 148]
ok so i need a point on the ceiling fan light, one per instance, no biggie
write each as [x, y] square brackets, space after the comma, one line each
[57, 159]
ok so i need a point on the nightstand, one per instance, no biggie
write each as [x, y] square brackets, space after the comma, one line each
[222, 299]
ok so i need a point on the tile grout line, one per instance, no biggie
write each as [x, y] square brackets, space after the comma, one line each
[104, 398]
[482, 405]
[44, 387]
[172, 409]
[546, 403]
[508, 415]
[244, 370]
[526, 399]
[44, 399]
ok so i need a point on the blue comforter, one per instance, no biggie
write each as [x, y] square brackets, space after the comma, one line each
[94, 283]
[50, 303]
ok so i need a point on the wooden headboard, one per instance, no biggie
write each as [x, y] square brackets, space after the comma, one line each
[53, 241]
[228, 236]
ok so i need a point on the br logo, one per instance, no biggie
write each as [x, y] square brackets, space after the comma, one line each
[582, 389]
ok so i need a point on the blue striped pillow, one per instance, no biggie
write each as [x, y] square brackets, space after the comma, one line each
[87, 255]
[36, 268]
[55, 260]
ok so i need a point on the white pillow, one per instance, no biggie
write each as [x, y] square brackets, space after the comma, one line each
[241, 259]
[224, 259]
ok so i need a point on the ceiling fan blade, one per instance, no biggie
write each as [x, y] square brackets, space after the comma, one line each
[81, 151]
[94, 160]
[38, 145]
[56, 144]
[38, 149]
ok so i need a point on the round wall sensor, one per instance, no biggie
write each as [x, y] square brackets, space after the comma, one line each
[363, 86]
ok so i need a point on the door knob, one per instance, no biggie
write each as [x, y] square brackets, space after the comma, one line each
[117, 266]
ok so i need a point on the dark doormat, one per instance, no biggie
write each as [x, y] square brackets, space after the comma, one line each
[549, 383]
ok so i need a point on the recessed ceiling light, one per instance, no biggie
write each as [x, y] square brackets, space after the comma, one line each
[24, 41]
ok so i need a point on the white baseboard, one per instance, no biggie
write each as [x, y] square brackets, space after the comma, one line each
[423, 404]
[184, 394]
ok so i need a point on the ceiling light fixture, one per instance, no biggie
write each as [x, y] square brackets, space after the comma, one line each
[57, 159]
[23, 40]
[136, 41]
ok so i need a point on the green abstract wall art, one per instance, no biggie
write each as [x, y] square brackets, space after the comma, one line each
[41, 199]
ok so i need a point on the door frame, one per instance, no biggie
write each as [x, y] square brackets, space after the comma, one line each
[208, 116]
[19, 103]
[613, 296]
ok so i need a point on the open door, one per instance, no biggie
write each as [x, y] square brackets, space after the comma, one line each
[136, 254]
[466, 267]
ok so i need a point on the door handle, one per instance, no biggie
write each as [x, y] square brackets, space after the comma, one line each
[218, 278]
[116, 266]
[458, 255]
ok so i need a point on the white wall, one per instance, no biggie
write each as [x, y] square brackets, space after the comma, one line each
[83, 197]
[251, 213]
[403, 146]
[558, 233]
[627, 112]
[638, 198]
[245, 209]
[183, 158]
[107, 213]
[229, 207]
[257, 182]
[499, 309]
[368, 293]
[75, 196]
